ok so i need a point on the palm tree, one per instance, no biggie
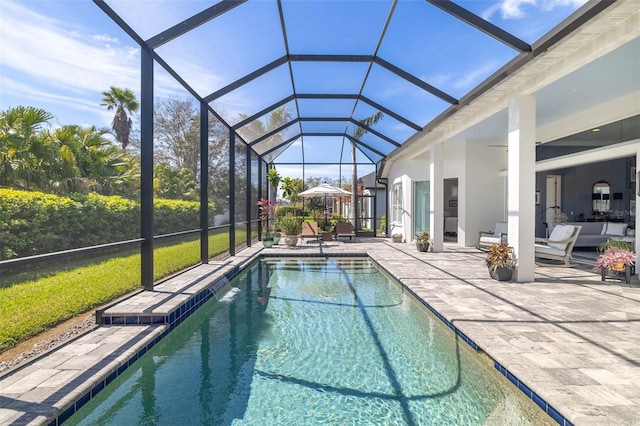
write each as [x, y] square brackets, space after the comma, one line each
[87, 161]
[358, 132]
[123, 100]
[24, 151]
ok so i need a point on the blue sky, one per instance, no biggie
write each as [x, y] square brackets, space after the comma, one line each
[61, 55]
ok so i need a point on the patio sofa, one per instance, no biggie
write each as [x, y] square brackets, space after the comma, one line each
[595, 233]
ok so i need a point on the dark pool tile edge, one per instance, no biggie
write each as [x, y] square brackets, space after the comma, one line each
[546, 407]
[539, 401]
[72, 407]
[172, 320]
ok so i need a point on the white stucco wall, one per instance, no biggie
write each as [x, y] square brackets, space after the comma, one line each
[406, 171]
[484, 188]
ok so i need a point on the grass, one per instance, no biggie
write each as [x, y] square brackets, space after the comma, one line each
[37, 301]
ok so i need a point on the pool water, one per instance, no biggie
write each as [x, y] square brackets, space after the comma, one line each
[327, 341]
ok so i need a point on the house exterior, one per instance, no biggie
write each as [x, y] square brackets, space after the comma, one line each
[373, 202]
[532, 145]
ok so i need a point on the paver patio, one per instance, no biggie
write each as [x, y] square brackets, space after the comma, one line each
[569, 337]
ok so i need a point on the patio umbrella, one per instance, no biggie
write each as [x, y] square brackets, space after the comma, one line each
[324, 190]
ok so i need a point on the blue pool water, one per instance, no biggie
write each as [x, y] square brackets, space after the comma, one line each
[296, 342]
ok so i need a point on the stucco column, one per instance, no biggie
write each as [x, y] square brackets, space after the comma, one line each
[521, 184]
[436, 198]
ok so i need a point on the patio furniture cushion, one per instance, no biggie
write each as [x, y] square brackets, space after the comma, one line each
[560, 248]
[489, 239]
[345, 230]
[310, 230]
[547, 249]
[498, 236]
[560, 233]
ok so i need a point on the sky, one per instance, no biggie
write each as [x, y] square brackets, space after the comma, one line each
[61, 55]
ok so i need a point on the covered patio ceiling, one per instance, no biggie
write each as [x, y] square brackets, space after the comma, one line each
[294, 79]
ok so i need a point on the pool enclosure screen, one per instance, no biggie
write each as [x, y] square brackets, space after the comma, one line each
[312, 87]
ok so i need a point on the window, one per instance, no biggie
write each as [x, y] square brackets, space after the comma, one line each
[396, 202]
[600, 196]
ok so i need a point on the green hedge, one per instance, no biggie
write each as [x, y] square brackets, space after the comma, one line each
[290, 210]
[34, 223]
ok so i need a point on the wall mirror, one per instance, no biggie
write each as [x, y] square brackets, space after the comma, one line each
[600, 195]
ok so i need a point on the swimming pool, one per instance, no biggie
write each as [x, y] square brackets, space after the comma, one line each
[313, 341]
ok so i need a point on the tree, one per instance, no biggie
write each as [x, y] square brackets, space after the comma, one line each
[218, 163]
[358, 132]
[25, 152]
[87, 161]
[123, 101]
[174, 184]
[177, 133]
[291, 187]
[276, 119]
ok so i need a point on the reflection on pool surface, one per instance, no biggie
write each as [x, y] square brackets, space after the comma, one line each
[313, 341]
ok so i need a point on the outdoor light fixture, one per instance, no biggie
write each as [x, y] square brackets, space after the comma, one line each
[605, 196]
[596, 196]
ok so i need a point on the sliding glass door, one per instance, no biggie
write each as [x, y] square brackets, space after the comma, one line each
[421, 199]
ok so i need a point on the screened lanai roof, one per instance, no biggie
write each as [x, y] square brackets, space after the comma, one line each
[295, 78]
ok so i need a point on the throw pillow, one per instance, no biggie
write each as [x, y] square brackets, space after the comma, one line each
[617, 229]
[604, 228]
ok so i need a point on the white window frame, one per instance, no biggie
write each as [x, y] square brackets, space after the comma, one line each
[396, 203]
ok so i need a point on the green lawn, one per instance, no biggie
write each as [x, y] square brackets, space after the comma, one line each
[39, 300]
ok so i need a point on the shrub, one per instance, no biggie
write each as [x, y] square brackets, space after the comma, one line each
[33, 223]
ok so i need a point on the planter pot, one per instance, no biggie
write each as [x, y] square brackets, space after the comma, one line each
[502, 274]
[619, 266]
[423, 247]
[267, 242]
[276, 240]
[291, 240]
[396, 238]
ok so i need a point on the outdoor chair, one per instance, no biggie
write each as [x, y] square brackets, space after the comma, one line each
[345, 230]
[559, 245]
[497, 236]
[310, 231]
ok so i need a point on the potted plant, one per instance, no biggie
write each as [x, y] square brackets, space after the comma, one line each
[501, 261]
[396, 238]
[615, 259]
[423, 241]
[266, 208]
[291, 227]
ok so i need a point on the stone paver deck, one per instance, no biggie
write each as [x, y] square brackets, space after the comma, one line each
[568, 337]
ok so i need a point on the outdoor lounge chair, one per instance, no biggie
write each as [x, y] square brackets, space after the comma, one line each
[498, 236]
[345, 230]
[559, 245]
[310, 231]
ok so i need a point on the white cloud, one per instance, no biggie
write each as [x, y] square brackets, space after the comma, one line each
[68, 64]
[105, 38]
[512, 9]
[48, 51]
[515, 9]
[552, 4]
[474, 76]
